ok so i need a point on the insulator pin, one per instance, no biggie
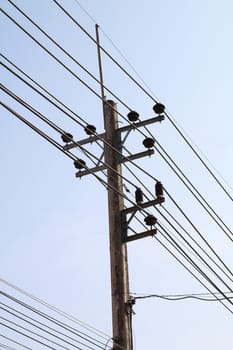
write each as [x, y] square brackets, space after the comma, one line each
[159, 189]
[148, 142]
[133, 116]
[90, 129]
[138, 195]
[150, 220]
[66, 137]
[79, 164]
[159, 108]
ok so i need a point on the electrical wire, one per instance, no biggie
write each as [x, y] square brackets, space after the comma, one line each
[178, 298]
[186, 268]
[199, 233]
[6, 347]
[15, 342]
[118, 151]
[27, 336]
[177, 247]
[58, 146]
[48, 327]
[173, 170]
[149, 89]
[100, 97]
[218, 276]
[149, 95]
[190, 183]
[59, 323]
[194, 264]
[202, 204]
[68, 54]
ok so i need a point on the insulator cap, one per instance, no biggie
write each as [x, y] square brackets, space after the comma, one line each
[148, 142]
[159, 189]
[159, 108]
[133, 116]
[79, 164]
[150, 220]
[90, 129]
[66, 137]
[139, 195]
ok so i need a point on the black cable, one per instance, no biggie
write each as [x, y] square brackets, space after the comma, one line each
[50, 140]
[186, 242]
[186, 268]
[178, 298]
[198, 156]
[61, 324]
[190, 183]
[13, 341]
[61, 132]
[99, 97]
[177, 247]
[190, 259]
[115, 150]
[68, 54]
[28, 336]
[149, 95]
[194, 227]
[48, 332]
[54, 57]
[105, 51]
[38, 335]
[4, 346]
[74, 119]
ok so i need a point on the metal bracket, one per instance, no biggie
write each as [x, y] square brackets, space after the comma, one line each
[149, 233]
[158, 200]
[122, 160]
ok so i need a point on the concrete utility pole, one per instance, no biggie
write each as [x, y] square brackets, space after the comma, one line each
[118, 248]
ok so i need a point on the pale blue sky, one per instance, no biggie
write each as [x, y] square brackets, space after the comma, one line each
[54, 229]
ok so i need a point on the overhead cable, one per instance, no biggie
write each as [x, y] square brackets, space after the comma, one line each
[149, 95]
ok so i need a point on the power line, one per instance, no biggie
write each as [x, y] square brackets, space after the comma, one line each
[184, 256]
[15, 342]
[218, 276]
[191, 260]
[149, 95]
[48, 332]
[68, 54]
[27, 336]
[100, 138]
[174, 298]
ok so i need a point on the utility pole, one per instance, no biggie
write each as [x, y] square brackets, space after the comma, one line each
[118, 248]
[119, 216]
